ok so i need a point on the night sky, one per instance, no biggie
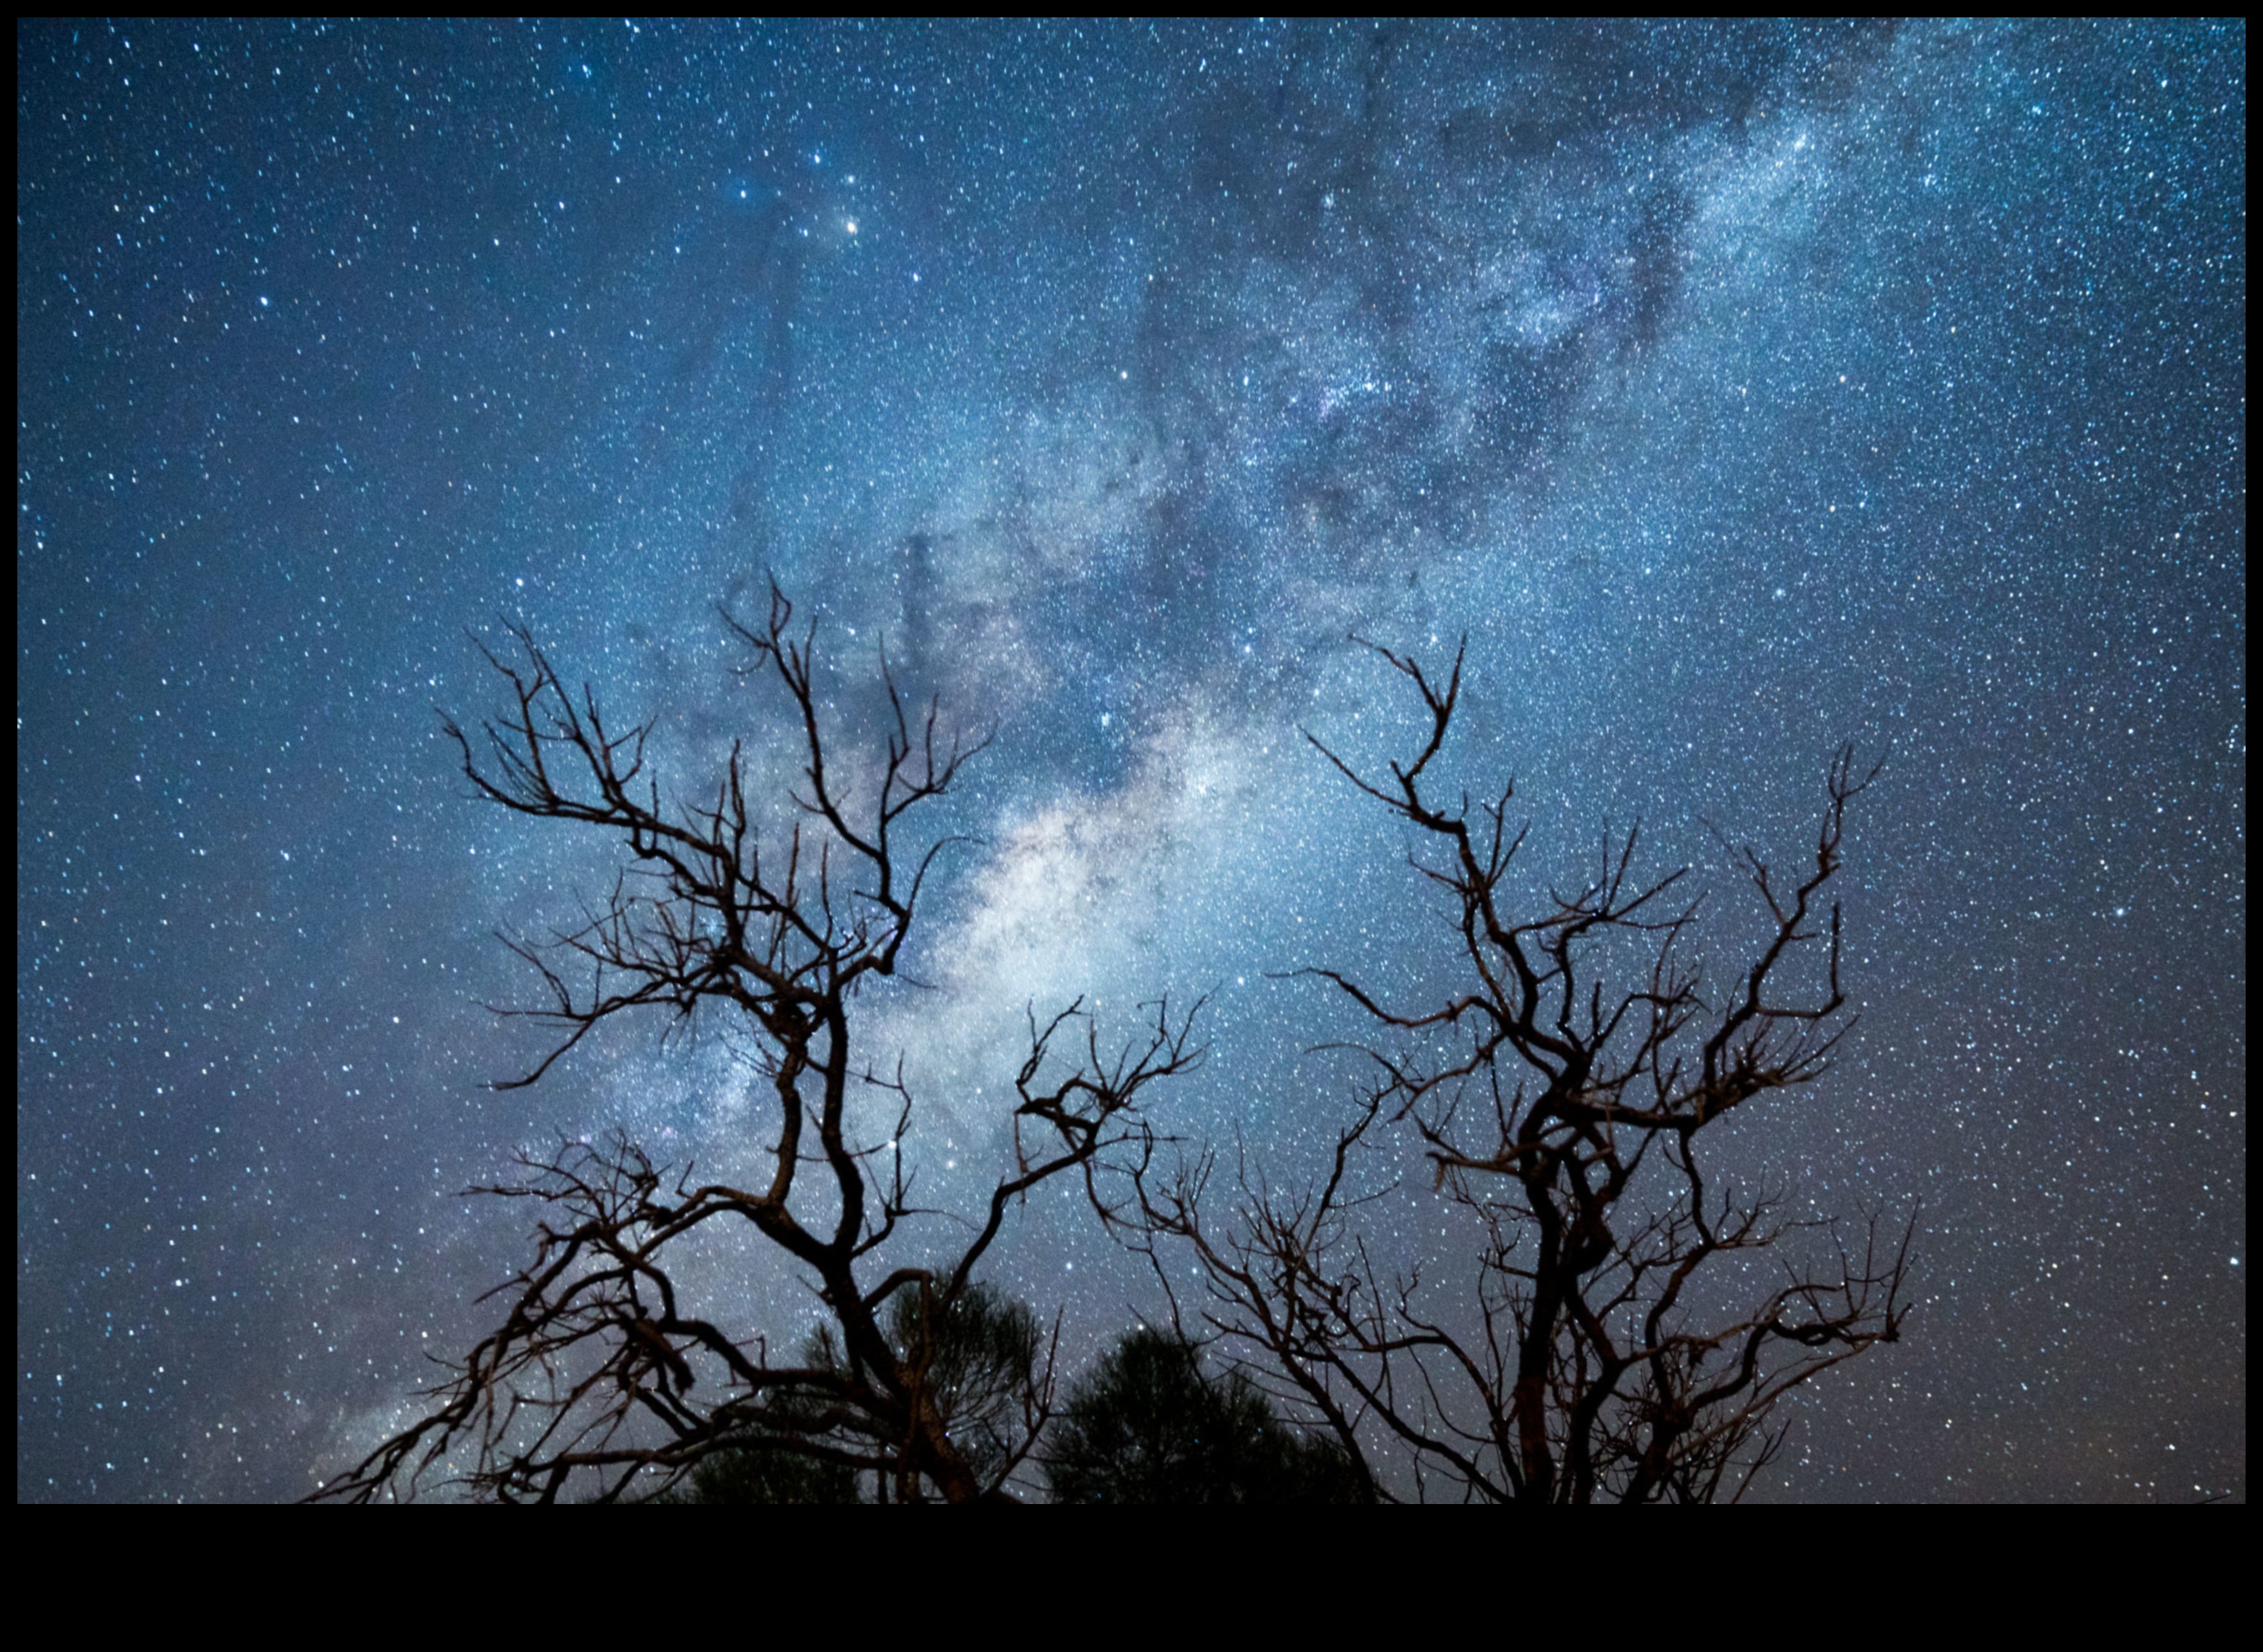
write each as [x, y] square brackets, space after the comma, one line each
[1739, 392]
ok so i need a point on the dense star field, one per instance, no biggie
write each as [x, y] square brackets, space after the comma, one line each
[1738, 393]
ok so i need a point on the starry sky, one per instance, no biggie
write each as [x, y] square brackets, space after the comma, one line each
[1738, 392]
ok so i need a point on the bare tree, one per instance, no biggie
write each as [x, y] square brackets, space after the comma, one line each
[1584, 1355]
[604, 1377]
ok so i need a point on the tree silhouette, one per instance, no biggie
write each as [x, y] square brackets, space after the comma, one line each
[982, 1358]
[1583, 1353]
[605, 1374]
[1580, 1352]
[1149, 1426]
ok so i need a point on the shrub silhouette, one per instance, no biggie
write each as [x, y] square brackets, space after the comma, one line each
[1149, 1426]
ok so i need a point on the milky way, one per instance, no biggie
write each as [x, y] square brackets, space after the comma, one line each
[1737, 393]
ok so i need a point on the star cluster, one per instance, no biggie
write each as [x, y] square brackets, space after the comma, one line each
[1736, 391]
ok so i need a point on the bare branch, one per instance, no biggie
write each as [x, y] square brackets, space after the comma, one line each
[1570, 1365]
[601, 1379]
